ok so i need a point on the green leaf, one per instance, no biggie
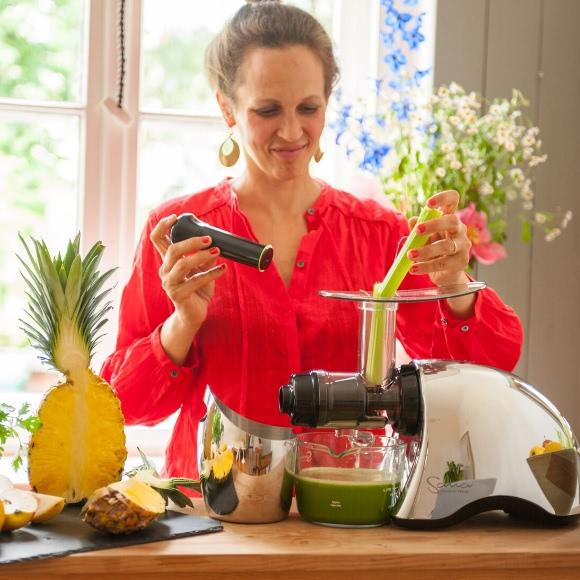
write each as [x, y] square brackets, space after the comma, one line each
[17, 462]
[11, 420]
[455, 472]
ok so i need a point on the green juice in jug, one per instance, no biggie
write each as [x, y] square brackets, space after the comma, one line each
[345, 497]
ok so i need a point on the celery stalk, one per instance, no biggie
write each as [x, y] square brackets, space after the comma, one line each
[386, 289]
[402, 264]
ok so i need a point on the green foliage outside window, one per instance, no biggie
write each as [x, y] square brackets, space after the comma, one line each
[39, 61]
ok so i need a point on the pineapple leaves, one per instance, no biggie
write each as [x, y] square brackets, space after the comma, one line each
[63, 292]
[72, 286]
[72, 253]
[167, 488]
[49, 275]
[146, 463]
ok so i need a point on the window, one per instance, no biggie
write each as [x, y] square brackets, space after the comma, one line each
[69, 163]
[42, 90]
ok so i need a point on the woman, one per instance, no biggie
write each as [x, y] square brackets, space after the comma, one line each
[188, 320]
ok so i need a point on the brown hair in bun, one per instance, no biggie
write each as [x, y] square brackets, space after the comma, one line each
[266, 24]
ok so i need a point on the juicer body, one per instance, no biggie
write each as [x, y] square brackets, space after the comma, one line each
[471, 452]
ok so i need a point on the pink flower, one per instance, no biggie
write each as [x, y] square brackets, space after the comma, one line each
[482, 248]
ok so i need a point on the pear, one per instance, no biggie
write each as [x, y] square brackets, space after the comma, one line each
[49, 506]
[19, 509]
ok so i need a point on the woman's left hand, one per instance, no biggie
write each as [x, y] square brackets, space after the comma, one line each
[446, 254]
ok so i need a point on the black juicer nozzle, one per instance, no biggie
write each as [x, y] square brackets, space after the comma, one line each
[322, 399]
[231, 246]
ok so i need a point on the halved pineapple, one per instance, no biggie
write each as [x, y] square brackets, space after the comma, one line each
[80, 445]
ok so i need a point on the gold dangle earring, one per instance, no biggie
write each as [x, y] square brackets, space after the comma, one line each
[229, 151]
[319, 154]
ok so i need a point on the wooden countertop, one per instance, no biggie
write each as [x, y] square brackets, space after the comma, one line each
[490, 545]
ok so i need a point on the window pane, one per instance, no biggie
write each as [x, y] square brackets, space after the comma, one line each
[177, 158]
[175, 35]
[39, 177]
[41, 49]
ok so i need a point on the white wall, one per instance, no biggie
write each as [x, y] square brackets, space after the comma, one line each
[492, 46]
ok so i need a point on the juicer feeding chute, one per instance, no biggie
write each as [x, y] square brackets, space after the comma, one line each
[470, 428]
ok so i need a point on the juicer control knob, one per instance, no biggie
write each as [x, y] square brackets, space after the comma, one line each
[409, 420]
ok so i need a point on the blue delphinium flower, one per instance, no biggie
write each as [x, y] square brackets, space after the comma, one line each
[413, 37]
[419, 75]
[396, 60]
[402, 109]
[395, 19]
[388, 38]
[381, 120]
[374, 155]
[367, 136]
[340, 126]
[387, 4]
[407, 29]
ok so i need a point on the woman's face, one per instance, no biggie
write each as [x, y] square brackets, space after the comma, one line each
[280, 110]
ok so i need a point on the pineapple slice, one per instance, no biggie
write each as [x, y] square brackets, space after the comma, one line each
[80, 445]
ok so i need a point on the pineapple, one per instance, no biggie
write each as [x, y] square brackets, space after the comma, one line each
[123, 507]
[80, 445]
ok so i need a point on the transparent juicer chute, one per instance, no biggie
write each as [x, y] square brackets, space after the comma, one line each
[377, 341]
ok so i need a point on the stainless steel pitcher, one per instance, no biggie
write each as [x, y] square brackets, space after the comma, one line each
[241, 466]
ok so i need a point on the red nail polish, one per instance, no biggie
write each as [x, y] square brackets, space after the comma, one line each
[414, 269]
[421, 228]
[214, 251]
[205, 240]
[431, 202]
[413, 254]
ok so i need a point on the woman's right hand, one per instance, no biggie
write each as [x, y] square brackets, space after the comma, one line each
[188, 274]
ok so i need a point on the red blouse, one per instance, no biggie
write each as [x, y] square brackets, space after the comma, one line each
[258, 331]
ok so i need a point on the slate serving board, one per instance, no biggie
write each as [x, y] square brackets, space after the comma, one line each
[68, 534]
